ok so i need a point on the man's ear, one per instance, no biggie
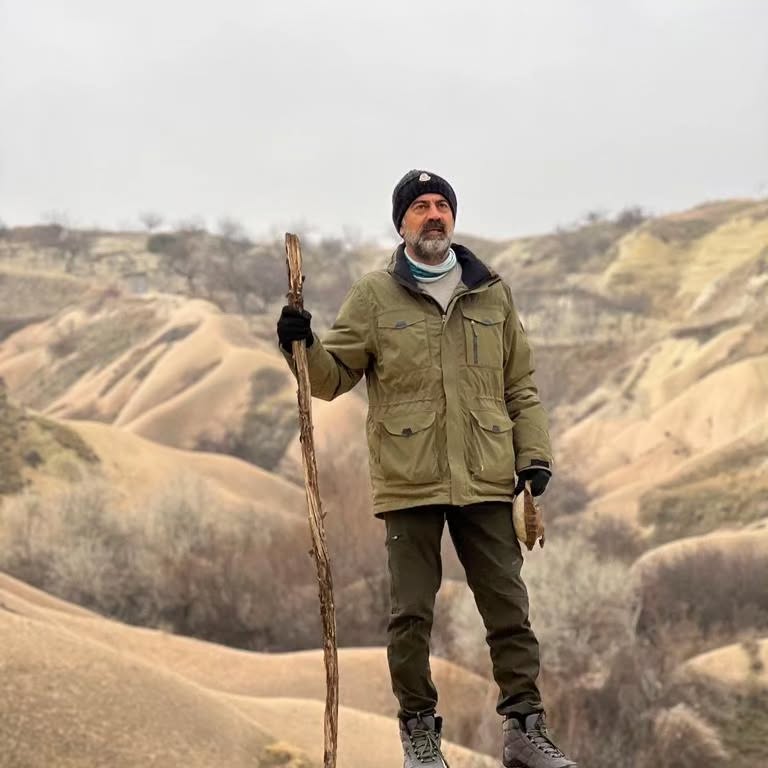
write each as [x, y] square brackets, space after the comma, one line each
[402, 232]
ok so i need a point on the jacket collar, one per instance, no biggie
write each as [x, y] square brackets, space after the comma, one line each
[473, 272]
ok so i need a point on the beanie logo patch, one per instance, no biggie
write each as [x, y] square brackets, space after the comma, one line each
[424, 177]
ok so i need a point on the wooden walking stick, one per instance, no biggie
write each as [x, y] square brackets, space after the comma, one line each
[319, 548]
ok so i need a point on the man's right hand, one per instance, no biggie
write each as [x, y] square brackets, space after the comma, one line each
[293, 325]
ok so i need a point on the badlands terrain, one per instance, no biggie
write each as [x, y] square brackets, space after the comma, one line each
[144, 400]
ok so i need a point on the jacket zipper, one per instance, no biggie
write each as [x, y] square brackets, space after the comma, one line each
[474, 341]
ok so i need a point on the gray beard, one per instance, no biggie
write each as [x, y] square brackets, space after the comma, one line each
[430, 250]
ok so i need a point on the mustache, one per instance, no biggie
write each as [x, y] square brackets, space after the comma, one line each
[434, 226]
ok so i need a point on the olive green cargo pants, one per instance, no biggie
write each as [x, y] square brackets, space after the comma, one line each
[485, 542]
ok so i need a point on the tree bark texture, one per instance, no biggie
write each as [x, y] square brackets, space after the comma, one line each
[317, 529]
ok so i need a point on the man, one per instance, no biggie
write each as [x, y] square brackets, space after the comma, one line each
[455, 427]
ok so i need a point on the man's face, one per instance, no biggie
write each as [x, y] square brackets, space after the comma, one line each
[427, 227]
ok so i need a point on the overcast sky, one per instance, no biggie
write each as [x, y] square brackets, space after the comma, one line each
[308, 111]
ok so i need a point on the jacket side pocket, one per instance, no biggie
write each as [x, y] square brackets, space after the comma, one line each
[493, 456]
[407, 448]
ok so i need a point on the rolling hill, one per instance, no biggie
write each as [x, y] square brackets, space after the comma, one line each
[651, 341]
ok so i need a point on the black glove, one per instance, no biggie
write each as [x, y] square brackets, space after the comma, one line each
[538, 478]
[293, 325]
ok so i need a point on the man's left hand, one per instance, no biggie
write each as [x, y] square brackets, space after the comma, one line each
[538, 478]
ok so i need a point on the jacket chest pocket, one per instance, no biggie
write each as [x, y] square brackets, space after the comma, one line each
[483, 336]
[493, 456]
[407, 448]
[403, 340]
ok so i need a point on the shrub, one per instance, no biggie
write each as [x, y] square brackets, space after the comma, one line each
[269, 423]
[64, 342]
[738, 715]
[282, 755]
[161, 243]
[684, 740]
[614, 537]
[581, 606]
[581, 610]
[356, 544]
[171, 565]
[692, 508]
[631, 217]
[210, 580]
[566, 495]
[178, 563]
[11, 463]
[721, 594]
[75, 548]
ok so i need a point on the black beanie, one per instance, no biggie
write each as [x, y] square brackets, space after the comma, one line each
[414, 184]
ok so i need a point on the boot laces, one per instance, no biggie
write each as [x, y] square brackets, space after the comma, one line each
[425, 744]
[539, 737]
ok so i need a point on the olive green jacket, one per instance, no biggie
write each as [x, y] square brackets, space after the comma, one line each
[453, 409]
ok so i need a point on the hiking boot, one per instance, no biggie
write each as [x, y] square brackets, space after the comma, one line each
[529, 746]
[421, 742]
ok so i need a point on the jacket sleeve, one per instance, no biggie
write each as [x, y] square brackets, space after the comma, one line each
[339, 361]
[531, 430]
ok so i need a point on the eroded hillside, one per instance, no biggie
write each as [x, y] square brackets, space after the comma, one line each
[132, 363]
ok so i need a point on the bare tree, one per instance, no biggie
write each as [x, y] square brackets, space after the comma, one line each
[235, 274]
[186, 258]
[151, 220]
[231, 229]
[266, 274]
[74, 245]
[56, 218]
[631, 216]
[594, 216]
